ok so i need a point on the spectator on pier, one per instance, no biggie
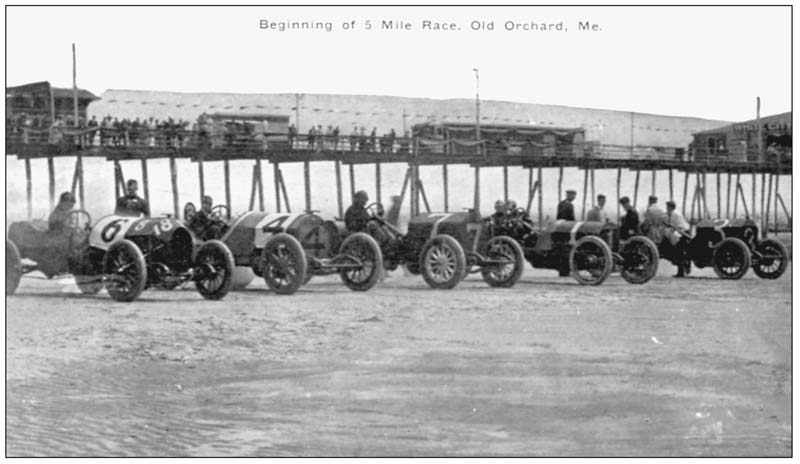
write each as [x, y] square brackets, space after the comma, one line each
[598, 212]
[372, 138]
[630, 221]
[362, 139]
[320, 138]
[311, 137]
[59, 218]
[92, 125]
[131, 204]
[354, 139]
[292, 135]
[335, 138]
[566, 210]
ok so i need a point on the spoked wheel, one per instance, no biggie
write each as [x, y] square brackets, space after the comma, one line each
[365, 249]
[639, 260]
[89, 284]
[375, 209]
[13, 267]
[79, 219]
[285, 264]
[503, 275]
[590, 260]
[220, 212]
[773, 260]
[443, 262]
[731, 259]
[189, 210]
[126, 271]
[214, 266]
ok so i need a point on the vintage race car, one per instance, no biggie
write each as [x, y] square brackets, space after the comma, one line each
[731, 247]
[589, 251]
[445, 247]
[287, 249]
[124, 254]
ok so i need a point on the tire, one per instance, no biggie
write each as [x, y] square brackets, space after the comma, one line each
[442, 262]
[214, 262]
[366, 250]
[13, 267]
[285, 264]
[125, 270]
[731, 259]
[504, 275]
[776, 262]
[640, 260]
[590, 261]
[88, 284]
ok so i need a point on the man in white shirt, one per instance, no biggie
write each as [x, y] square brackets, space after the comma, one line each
[653, 221]
[678, 236]
[598, 212]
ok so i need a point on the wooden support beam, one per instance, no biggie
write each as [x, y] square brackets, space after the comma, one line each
[592, 198]
[636, 188]
[719, 195]
[145, 181]
[585, 187]
[704, 203]
[352, 182]
[769, 201]
[227, 173]
[728, 198]
[530, 190]
[51, 176]
[276, 180]
[406, 181]
[201, 177]
[505, 183]
[254, 190]
[685, 191]
[736, 196]
[763, 196]
[424, 197]
[261, 187]
[560, 180]
[173, 171]
[445, 188]
[740, 191]
[283, 190]
[29, 187]
[777, 178]
[785, 210]
[339, 202]
[79, 171]
[753, 192]
[619, 193]
[307, 183]
[671, 187]
[378, 183]
[653, 183]
[541, 198]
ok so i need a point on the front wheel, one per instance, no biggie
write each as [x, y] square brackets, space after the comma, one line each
[509, 252]
[13, 267]
[590, 260]
[366, 251]
[285, 265]
[772, 260]
[126, 271]
[731, 259]
[639, 260]
[214, 266]
[443, 262]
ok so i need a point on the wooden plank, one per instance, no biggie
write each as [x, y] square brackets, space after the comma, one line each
[560, 180]
[352, 182]
[79, 171]
[763, 195]
[592, 198]
[424, 196]
[406, 181]
[777, 178]
[477, 194]
[653, 183]
[753, 191]
[769, 201]
[254, 190]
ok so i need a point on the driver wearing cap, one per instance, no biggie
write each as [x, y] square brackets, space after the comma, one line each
[204, 224]
[59, 218]
[358, 219]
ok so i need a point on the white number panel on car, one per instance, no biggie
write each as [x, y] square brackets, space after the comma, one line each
[271, 224]
[110, 230]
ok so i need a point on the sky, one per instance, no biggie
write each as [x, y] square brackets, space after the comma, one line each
[709, 62]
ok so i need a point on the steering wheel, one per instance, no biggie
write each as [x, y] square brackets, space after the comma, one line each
[216, 212]
[375, 210]
[189, 210]
[79, 219]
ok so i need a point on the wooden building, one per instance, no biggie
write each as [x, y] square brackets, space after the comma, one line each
[45, 102]
[767, 140]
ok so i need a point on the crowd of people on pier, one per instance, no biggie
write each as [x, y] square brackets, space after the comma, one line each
[319, 139]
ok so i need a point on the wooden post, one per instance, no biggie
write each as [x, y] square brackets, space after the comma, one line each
[51, 181]
[753, 200]
[145, 181]
[740, 191]
[173, 171]
[352, 181]
[705, 199]
[541, 200]
[719, 195]
[254, 189]
[79, 171]
[477, 200]
[728, 198]
[619, 193]
[592, 198]
[378, 182]
[406, 181]
[585, 187]
[769, 201]
[117, 170]
[276, 179]
[261, 187]
[421, 189]
[636, 188]
[445, 188]
[201, 176]
[29, 187]
[763, 195]
[685, 191]
[505, 183]
[736, 196]
[283, 189]
[339, 203]
[653, 183]
[671, 189]
[777, 177]
[530, 190]
[227, 173]
[560, 179]
[307, 183]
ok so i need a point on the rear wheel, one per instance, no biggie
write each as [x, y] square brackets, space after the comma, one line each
[89, 284]
[590, 260]
[773, 260]
[214, 265]
[126, 271]
[731, 259]
[13, 267]
[285, 264]
[443, 262]
[639, 260]
[365, 249]
[503, 275]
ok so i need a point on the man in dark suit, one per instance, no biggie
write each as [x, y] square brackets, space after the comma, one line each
[565, 209]
[131, 204]
[630, 222]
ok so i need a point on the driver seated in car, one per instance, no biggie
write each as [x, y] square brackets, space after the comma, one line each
[59, 218]
[357, 219]
[206, 225]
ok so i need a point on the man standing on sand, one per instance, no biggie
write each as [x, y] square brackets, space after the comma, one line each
[678, 237]
[630, 222]
[598, 212]
[653, 220]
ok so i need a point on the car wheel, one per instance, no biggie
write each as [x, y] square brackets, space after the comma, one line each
[731, 259]
[590, 260]
[773, 259]
[366, 251]
[639, 260]
[125, 270]
[89, 284]
[510, 252]
[214, 267]
[285, 264]
[13, 267]
[443, 262]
